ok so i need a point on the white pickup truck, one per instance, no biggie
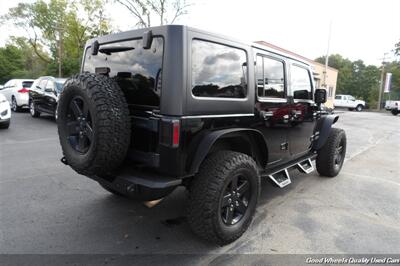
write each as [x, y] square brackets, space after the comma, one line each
[393, 107]
[348, 101]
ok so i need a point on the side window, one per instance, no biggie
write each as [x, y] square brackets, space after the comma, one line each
[50, 85]
[218, 70]
[338, 97]
[301, 83]
[42, 84]
[270, 75]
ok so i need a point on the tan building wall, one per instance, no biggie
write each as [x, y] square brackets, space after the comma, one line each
[318, 69]
[331, 79]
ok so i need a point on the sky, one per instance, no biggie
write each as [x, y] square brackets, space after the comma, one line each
[360, 29]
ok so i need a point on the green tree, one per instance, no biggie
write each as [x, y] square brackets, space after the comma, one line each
[355, 77]
[11, 63]
[62, 26]
[397, 48]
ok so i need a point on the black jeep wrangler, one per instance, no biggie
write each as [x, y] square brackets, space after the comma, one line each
[169, 106]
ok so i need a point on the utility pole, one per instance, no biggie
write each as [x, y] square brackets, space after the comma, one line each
[59, 41]
[327, 56]
[381, 83]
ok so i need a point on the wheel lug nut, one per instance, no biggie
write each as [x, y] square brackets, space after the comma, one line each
[237, 203]
[229, 200]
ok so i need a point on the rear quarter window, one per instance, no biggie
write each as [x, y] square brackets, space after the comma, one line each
[218, 70]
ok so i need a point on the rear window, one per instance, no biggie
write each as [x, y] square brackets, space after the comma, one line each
[136, 70]
[27, 84]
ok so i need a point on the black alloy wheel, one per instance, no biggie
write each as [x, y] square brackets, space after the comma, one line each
[235, 200]
[79, 125]
[339, 153]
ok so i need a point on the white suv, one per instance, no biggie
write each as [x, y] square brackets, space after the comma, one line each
[348, 101]
[17, 93]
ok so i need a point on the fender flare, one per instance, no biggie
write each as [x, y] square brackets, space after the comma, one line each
[208, 141]
[324, 126]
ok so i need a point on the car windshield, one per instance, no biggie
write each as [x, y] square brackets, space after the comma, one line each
[60, 84]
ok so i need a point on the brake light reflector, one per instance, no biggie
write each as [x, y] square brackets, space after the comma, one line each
[175, 134]
[23, 90]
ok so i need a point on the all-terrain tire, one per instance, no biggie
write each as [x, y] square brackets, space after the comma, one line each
[330, 157]
[394, 112]
[207, 190]
[110, 123]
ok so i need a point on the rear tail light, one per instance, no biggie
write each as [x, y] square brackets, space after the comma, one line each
[170, 133]
[175, 134]
[23, 90]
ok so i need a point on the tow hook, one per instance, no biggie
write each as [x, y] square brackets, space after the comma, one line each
[64, 160]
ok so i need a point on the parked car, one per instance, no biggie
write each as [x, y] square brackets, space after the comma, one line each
[5, 112]
[169, 106]
[17, 93]
[348, 101]
[393, 107]
[44, 94]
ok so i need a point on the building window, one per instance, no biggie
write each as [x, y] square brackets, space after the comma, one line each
[270, 76]
[301, 83]
[218, 70]
[330, 91]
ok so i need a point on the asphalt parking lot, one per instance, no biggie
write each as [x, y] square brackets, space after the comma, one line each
[45, 207]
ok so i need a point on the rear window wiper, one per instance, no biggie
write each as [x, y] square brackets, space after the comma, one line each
[115, 49]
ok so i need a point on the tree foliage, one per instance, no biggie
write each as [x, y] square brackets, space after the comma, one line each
[397, 48]
[360, 80]
[18, 60]
[62, 27]
[163, 11]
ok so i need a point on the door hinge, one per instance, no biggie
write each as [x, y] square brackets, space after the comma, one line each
[284, 146]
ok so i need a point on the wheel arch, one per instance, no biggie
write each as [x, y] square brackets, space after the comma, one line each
[248, 141]
[324, 126]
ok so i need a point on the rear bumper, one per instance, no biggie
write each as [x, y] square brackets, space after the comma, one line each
[22, 99]
[131, 181]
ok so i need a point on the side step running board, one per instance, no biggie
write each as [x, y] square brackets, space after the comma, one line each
[281, 176]
[306, 166]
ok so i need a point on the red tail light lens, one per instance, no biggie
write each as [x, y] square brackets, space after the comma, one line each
[175, 135]
[170, 133]
[23, 90]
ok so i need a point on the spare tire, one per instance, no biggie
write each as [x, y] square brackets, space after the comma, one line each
[93, 124]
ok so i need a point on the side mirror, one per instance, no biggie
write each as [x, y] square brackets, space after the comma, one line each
[147, 39]
[320, 96]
